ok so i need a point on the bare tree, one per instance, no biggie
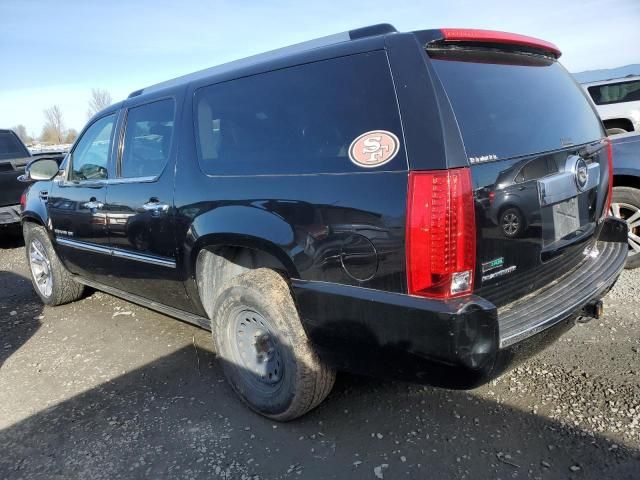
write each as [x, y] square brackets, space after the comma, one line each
[71, 135]
[53, 130]
[100, 99]
[21, 131]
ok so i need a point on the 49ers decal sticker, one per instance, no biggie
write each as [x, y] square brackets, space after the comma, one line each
[375, 148]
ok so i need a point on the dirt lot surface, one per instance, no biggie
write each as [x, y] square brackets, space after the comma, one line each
[102, 388]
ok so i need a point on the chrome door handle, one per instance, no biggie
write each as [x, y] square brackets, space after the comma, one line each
[93, 205]
[156, 207]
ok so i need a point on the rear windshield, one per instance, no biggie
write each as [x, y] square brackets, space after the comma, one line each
[616, 92]
[10, 147]
[509, 105]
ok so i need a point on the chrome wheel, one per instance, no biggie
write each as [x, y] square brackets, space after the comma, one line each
[510, 224]
[40, 268]
[631, 215]
[256, 350]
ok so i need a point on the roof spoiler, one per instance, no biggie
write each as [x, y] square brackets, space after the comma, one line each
[466, 35]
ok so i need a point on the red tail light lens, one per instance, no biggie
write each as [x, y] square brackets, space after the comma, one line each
[23, 200]
[441, 233]
[610, 190]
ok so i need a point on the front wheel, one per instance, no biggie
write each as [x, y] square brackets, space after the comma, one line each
[626, 206]
[267, 357]
[51, 280]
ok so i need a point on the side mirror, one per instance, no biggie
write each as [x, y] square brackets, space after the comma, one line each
[40, 169]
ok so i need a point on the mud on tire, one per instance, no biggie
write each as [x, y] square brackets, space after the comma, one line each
[265, 353]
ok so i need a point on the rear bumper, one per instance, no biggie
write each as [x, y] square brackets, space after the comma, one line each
[9, 214]
[460, 343]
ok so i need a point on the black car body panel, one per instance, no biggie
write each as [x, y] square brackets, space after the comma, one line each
[337, 230]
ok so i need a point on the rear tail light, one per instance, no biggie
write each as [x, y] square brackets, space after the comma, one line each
[607, 204]
[23, 200]
[441, 233]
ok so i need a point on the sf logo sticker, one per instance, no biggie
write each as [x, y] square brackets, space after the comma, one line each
[375, 148]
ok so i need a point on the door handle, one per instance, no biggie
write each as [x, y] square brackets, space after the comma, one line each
[155, 206]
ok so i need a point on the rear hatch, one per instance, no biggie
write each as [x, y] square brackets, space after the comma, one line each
[539, 167]
[13, 158]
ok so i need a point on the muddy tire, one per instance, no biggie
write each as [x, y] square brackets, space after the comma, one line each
[51, 280]
[626, 205]
[265, 353]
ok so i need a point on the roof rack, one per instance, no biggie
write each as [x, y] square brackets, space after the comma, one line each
[370, 31]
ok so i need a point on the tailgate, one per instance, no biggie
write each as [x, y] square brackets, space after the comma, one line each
[10, 187]
[539, 169]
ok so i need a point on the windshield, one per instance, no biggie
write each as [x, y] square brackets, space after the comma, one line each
[509, 105]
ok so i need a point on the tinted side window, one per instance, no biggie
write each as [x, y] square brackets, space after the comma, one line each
[297, 120]
[90, 157]
[615, 92]
[147, 139]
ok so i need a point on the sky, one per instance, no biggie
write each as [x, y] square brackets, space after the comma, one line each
[55, 52]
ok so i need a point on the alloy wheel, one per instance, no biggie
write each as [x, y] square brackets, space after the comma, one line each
[631, 215]
[40, 268]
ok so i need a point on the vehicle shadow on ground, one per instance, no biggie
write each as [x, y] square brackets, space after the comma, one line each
[178, 418]
[18, 318]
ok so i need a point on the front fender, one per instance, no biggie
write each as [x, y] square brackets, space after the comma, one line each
[35, 208]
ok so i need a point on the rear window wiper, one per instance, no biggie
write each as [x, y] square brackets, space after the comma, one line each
[590, 150]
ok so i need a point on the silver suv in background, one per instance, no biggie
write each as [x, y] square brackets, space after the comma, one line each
[618, 103]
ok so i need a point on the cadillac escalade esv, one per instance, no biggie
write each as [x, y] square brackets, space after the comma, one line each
[429, 206]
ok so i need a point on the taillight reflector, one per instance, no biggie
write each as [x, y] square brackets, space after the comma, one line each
[491, 36]
[23, 200]
[441, 233]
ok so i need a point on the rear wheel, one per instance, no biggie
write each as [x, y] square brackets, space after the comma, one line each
[267, 357]
[626, 206]
[51, 280]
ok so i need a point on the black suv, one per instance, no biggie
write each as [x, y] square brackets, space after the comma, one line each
[330, 206]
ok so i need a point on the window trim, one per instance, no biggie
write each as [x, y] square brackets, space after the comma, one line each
[66, 182]
[118, 178]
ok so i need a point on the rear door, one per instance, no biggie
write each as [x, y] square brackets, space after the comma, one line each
[139, 204]
[525, 125]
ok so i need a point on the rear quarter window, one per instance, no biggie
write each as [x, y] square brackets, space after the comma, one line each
[301, 119]
[10, 146]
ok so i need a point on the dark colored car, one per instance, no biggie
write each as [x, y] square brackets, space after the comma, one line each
[626, 190]
[14, 156]
[322, 207]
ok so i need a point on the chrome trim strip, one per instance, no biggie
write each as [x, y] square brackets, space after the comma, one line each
[88, 247]
[143, 258]
[116, 252]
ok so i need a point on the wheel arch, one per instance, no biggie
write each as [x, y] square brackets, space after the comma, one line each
[217, 263]
[626, 181]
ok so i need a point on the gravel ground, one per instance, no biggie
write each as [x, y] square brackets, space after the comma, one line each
[105, 389]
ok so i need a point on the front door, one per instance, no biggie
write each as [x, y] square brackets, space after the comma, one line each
[139, 206]
[76, 202]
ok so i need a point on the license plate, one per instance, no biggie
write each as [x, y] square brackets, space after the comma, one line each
[566, 218]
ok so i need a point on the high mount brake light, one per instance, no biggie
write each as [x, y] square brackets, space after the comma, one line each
[441, 234]
[491, 36]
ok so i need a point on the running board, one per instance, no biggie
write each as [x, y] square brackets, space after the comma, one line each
[196, 320]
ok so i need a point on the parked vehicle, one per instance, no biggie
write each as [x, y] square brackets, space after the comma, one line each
[322, 207]
[618, 103]
[14, 156]
[626, 190]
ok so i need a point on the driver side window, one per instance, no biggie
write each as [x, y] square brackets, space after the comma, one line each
[90, 157]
